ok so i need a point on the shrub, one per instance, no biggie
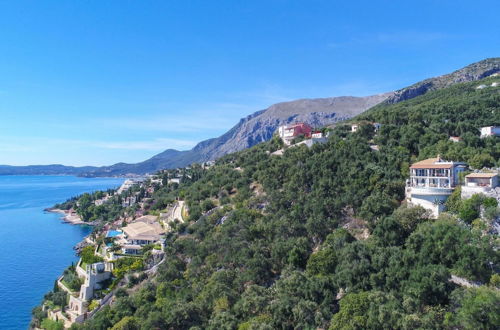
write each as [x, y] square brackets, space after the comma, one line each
[52, 325]
[88, 256]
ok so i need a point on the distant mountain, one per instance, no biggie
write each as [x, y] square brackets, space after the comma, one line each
[472, 72]
[259, 126]
[253, 129]
[55, 169]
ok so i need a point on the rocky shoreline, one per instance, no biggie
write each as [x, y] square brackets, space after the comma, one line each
[68, 217]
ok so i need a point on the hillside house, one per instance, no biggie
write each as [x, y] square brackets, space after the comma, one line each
[289, 132]
[312, 141]
[95, 274]
[145, 230]
[174, 180]
[317, 135]
[431, 183]
[355, 127]
[455, 139]
[208, 164]
[490, 131]
[480, 183]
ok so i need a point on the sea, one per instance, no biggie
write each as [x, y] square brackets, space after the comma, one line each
[36, 246]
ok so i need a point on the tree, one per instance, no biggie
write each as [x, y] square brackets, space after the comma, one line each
[475, 308]
[352, 314]
[410, 217]
[454, 202]
[322, 262]
[339, 238]
[377, 205]
[88, 256]
[428, 285]
[126, 323]
[52, 325]
[470, 208]
[389, 232]
[367, 310]
[480, 161]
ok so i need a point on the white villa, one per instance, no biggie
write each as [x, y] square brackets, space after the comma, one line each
[480, 183]
[289, 132]
[317, 135]
[354, 127]
[490, 131]
[94, 275]
[431, 183]
[174, 180]
[145, 230]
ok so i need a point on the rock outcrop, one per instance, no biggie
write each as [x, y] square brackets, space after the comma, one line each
[473, 72]
[251, 130]
[260, 126]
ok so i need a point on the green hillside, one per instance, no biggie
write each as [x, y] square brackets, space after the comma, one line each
[318, 238]
[422, 125]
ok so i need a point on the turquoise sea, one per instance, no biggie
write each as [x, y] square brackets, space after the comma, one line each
[35, 247]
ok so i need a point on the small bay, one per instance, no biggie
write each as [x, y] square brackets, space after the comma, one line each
[36, 246]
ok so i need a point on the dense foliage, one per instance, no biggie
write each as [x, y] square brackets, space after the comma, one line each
[85, 206]
[265, 245]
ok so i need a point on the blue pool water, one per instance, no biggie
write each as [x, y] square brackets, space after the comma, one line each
[113, 233]
[35, 247]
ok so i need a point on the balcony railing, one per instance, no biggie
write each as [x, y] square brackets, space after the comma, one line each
[431, 176]
[426, 190]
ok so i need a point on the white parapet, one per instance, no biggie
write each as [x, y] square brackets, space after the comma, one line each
[432, 199]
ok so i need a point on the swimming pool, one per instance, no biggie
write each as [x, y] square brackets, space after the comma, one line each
[113, 233]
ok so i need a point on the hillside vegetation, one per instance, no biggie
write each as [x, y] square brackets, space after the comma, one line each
[318, 238]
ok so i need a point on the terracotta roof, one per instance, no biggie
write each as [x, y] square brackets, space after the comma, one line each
[150, 219]
[432, 163]
[481, 175]
[142, 230]
[132, 247]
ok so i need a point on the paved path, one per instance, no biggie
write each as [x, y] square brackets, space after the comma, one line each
[176, 212]
[463, 282]
[154, 269]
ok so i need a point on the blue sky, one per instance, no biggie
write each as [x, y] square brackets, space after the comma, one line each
[99, 82]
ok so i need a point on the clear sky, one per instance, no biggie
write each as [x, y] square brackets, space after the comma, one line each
[99, 82]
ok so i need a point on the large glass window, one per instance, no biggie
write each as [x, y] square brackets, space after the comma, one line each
[420, 172]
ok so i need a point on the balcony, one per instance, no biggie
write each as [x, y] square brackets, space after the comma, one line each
[427, 190]
[436, 175]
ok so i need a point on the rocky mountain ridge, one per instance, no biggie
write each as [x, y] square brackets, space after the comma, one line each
[260, 126]
[251, 130]
[472, 72]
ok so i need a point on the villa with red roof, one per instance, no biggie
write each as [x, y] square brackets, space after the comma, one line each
[289, 132]
[431, 183]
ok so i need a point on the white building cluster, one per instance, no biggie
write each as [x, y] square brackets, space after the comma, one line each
[433, 180]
